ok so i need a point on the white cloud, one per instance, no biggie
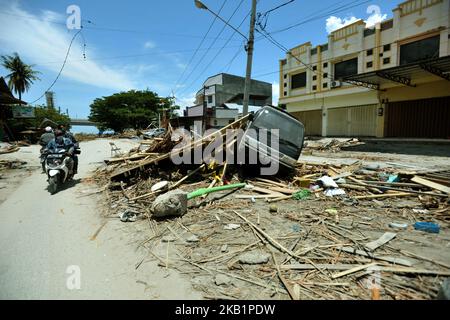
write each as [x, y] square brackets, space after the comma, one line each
[149, 45]
[275, 93]
[374, 19]
[334, 23]
[36, 40]
[185, 101]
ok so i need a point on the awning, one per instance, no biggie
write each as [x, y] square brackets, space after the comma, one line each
[404, 74]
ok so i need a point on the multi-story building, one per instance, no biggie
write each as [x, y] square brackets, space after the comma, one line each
[392, 80]
[220, 97]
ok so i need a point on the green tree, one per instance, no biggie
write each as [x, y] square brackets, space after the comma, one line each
[21, 75]
[124, 110]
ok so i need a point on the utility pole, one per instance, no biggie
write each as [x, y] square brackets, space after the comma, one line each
[250, 44]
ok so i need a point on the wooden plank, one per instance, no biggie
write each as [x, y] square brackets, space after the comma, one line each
[306, 266]
[353, 270]
[386, 195]
[400, 261]
[385, 238]
[431, 184]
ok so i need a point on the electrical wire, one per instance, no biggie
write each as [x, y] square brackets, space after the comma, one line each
[62, 67]
[204, 55]
[198, 48]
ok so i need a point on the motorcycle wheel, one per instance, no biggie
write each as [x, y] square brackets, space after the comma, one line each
[53, 185]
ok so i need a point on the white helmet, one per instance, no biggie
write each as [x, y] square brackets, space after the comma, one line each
[48, 129]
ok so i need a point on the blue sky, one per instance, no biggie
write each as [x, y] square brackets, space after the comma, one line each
[139, 44]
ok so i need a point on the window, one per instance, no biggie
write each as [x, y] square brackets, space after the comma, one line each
[210, 99]
[369, 52]
[345, 68]
[314, 87]
[314, 68]
[369, 64]
[325, 75]
[314, 78]
[325, 65]
[285, 84]
[387, 47]
[215, 122]
[313, 51]
[325, 85]
[298, 80]
[386, 60]
[285, 76]
[285, 93]
[419, 50]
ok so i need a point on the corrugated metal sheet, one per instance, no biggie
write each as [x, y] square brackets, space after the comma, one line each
[337, 122]
[358, 121]
[429, 118]
[363, 121]
[312, 120]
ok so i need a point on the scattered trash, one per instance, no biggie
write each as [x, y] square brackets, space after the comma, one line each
[429, 227]
[232, 226]
[162, 185]
[128, 216]
[192, 238]
[393, 178]
[273, 208]
[222, 279]
[331, 211]
[254, 258]
[421, 211]
[224, 248]
[398, 225]
[168, 239]
[327, 182]
[334, 192]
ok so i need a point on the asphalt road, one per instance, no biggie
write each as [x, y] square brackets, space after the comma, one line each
[46, 251]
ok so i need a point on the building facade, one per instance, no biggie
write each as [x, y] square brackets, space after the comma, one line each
[392, 80]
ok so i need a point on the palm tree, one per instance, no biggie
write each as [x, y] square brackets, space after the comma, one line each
[22, 75]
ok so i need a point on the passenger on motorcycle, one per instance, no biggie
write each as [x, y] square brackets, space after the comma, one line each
[60, 142]
[67, 134]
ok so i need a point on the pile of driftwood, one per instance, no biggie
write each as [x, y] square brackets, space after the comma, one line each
[325, 232]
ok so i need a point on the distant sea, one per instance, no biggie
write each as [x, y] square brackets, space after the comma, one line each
[84, 129]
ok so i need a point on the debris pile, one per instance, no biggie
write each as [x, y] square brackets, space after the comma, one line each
[7, 148]
[325, 232]
[331, 145]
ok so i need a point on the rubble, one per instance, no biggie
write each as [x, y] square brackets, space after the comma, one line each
[311, 247]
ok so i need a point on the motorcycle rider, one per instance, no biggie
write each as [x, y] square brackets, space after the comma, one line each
[45, 138]
[68, 135]
[61, 142]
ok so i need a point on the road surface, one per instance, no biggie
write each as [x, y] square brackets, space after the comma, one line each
[46, 247]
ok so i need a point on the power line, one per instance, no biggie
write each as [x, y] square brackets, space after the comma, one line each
[204, 55]
[313, 17]
[198, 48]
[62, 67]
[95, 27]
[135, 55]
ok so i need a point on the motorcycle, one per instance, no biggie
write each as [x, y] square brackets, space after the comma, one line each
[59, 169]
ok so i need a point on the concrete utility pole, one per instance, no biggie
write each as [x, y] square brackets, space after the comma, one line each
[250, 45]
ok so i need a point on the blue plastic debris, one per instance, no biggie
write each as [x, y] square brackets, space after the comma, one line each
[393, 178]
[427, 227]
